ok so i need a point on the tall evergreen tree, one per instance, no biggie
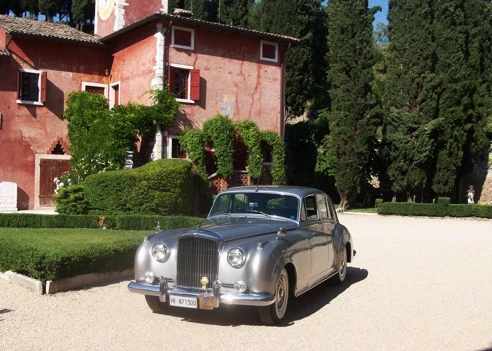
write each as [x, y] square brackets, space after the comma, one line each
[50, 8]
[438, 93]
[460, 27]
[30, 7]
[78, 13]
[234, 12]
[350, 145]
[409, 126]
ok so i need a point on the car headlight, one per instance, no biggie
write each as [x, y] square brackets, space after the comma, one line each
[236, 257]
[160, 252]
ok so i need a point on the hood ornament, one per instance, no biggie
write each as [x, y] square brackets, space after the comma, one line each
[204, 282]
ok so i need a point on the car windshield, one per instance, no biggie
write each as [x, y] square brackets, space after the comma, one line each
[268, 204]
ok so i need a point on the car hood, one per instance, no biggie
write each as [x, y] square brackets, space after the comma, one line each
[237, 227]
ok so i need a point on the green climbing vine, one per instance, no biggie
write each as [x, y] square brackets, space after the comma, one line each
[220, 132]
[277, 144]
[251, 136]
[192, 140]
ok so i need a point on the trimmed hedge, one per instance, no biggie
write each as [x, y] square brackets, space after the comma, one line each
[163, 187]
[139, 222]
[29, 220]
[441, 209]
[118, 222]
[42, 264]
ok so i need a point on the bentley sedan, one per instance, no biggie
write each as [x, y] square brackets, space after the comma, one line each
[259, 246]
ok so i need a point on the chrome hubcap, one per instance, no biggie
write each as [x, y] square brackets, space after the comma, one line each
[281, 293]
[343, 263]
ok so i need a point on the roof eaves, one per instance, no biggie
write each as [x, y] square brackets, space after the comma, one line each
[96, 42]
[201, 23]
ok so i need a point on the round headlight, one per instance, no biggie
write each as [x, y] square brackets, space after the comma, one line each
[160, 252]
[236, 257]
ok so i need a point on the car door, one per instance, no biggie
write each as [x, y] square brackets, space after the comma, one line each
[318, 240]
[329, 221]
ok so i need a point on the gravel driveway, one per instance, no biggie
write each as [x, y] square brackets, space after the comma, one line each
[416, 284]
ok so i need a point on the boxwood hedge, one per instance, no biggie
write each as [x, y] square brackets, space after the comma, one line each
[163, 187]
[119, 222]
[441, 209]
[22, 253]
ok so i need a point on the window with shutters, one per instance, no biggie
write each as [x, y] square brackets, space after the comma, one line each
[268, 51]
[31, 87]
[183, 38]
[184, 83]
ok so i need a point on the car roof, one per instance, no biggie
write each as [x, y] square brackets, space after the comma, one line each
[288, 189]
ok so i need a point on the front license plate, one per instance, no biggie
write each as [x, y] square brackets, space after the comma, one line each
[183, 301]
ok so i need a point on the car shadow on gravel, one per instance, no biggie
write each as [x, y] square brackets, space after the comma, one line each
[320, 296]
[298, 308]
[3, 311]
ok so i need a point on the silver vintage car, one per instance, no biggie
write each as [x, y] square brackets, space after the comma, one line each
[258, 247]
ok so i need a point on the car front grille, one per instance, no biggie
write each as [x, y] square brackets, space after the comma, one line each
[197, 258]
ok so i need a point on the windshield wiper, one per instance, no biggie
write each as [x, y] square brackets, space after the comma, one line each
[220, 213]
[257, 212]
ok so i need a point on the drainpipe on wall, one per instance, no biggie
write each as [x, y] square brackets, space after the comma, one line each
[166, 54]
[158, 82]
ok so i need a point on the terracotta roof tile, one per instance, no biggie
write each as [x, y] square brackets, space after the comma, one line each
[60, 31]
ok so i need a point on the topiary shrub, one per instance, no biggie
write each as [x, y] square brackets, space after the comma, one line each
[163, 187]
[71, 200]
[109, 192]
[444, 201]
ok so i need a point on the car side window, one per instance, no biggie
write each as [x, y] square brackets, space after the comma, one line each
[322, 207]
[309, 212]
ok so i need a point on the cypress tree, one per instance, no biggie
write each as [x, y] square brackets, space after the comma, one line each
[50, 8]
[438, 93]
[350, 145]
[30, 6]
[460, 27]
[234, 12]
[409, 127]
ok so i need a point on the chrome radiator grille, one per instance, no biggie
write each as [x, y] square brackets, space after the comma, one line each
[197, 258]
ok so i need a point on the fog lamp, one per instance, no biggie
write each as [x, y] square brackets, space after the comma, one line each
[240, 286]
[149, 277]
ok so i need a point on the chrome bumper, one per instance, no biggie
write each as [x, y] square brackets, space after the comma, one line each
[163, 290]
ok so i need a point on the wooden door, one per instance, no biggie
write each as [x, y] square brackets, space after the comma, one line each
[49, 170]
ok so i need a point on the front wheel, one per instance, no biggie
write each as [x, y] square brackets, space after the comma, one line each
[275, 312]
[156, 305]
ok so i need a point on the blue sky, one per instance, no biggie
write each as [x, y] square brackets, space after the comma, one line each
[380, 16]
